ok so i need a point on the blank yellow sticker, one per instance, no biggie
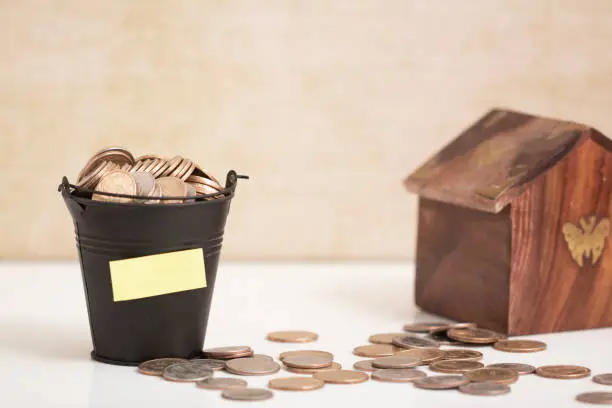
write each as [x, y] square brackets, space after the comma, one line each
[155, 275]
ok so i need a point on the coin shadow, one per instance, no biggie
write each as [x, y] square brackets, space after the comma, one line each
[43, 340]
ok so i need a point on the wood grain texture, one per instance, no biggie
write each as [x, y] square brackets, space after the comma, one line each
[549, 291]
[463, 263]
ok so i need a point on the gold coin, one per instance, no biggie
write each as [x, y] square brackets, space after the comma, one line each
[375, 350]
[521, 369]
[118, 182]
[477, 336]
[332, 366]
[252, 366]
[364, 365]
[563, 371]
[451, 366]
[296, 384]
[462, 354]
[384, 338]
[520, 346]
[427, 355]
[423, 327]
[157, 366]
[342, 377]
[597, 397]
[293, 336]
[496, 375]
[285, 354]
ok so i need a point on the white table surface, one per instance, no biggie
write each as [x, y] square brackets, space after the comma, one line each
[45, 340]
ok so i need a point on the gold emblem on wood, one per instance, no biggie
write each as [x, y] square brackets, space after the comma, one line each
[588, 240]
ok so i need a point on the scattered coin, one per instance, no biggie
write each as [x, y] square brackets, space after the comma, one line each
[396, 362]
[221, 383]
[495, 375]
[285, 354]
[427, 355]
[563, 371]
[267, 357]
[211, 364]
[604, 379]
[520, 346]
[423, 327]
[364, 365]
[157, 366]
[296, 384]
[227, 352]
[252, 366]
[451, 366]
[293, 336]
[117, 182]
[440, 336]
[374, 350]
[247, 394]
[412, 342]
[521, 369]
[484, 388]
[461, 354]
[441, 382]
[603, 398]
[332, 366]
[342, 376]
[307, 361]
[384, 338]
[478, 336]
[398, 374]
[186, 372]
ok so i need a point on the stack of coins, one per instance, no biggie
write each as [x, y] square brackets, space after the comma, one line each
[115, 170]
[393, 358]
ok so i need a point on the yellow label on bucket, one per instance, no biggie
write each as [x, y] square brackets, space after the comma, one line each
[155, 275]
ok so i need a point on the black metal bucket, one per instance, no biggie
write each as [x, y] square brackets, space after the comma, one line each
[170, 325]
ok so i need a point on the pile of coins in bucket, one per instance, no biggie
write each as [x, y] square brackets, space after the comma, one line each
[392, 357]
[115, 170]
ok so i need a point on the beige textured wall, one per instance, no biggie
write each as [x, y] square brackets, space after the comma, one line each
[326, 104]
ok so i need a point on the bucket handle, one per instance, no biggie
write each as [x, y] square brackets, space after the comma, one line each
[230, 185]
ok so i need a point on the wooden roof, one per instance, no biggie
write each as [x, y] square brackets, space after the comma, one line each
[490, 163]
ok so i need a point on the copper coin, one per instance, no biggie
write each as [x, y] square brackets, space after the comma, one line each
[496, 375]
[267, 357]
[172, 164]
[374, 350]
[116, 155]
[296, 384]
[412, 342]
[203, 189]
[461, 354]
[199, 171]
[520, 346]
[519, 368]
[285, 354]
[425, 327]
[563, 371]
[342, 376]
[91, 178]
[118, 182]
[293, 336]
[210, 363]
[307, 361]
[604, 379]
[247, 394]
[224, 352]
[478, 336]
[396, 362]
[602, 398]
[138, 166]
[145, 183]
[157, 366]
[450, 366]
[186, 372]
[172, 187]
[188, 171]
[398, 375]
[221, 383]
[332, 366]
[441, 337]
[205, 181]
[427, 355]
[441, 382]
[364, 365]
[251, 366]
[181, 168]
[384, 338]
[484, 388]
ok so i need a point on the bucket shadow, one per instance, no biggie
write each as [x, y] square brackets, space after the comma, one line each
[44, 340]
